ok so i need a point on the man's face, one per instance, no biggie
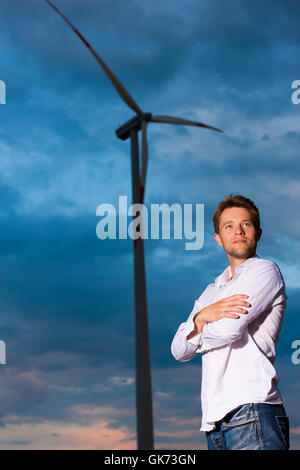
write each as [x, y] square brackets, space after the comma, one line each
[237, 233]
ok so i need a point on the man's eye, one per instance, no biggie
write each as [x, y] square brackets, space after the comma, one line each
[228, 226]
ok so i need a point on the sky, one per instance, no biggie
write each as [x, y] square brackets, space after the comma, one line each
[67, 297]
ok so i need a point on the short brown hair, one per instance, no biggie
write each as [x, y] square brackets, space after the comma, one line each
[237, 201]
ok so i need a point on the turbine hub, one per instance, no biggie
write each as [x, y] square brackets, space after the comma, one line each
[146, 117]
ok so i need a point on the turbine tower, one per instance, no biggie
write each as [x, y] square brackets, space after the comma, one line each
[130, 130]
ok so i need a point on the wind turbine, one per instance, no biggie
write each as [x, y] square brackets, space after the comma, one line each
[142, 351]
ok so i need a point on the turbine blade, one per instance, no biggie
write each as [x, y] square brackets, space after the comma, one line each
[185, 122]
[114, 80]
[144, 160]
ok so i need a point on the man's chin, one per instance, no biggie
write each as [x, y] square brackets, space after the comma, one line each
[243, 254]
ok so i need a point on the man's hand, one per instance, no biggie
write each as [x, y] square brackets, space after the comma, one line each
[221, 309]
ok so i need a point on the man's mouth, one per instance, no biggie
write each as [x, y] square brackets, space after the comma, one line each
[240, 241]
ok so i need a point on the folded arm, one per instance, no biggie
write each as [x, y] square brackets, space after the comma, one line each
[183, 349]
[262, 285]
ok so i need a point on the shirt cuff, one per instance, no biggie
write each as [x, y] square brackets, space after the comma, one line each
[196, 340]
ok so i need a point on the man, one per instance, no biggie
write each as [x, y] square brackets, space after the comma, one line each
[235, 325]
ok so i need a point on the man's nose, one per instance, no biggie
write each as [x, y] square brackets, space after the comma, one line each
[239, 229]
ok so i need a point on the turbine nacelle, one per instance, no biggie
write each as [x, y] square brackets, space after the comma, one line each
[123, 132]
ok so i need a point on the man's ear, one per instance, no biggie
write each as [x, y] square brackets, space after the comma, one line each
[218, 239]
[258, 235]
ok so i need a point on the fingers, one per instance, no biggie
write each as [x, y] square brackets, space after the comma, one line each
[230, 315]
[235, 309]
[221, 315]
[240, 296]
[235, 299]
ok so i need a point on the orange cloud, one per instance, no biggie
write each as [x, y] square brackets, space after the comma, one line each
[52, 435]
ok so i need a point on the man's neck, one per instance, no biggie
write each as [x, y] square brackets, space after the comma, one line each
[235, 262]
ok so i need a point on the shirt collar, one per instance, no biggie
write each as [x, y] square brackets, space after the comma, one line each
[226, 274]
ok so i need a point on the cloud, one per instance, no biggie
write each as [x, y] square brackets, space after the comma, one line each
[20, 391]
[59, 435]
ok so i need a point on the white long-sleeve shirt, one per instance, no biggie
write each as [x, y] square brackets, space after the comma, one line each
[237, 354]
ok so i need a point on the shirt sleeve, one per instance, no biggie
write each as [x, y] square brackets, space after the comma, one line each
[184, 349]
[263, 284]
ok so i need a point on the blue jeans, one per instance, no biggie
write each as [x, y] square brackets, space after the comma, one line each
[255, 426]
